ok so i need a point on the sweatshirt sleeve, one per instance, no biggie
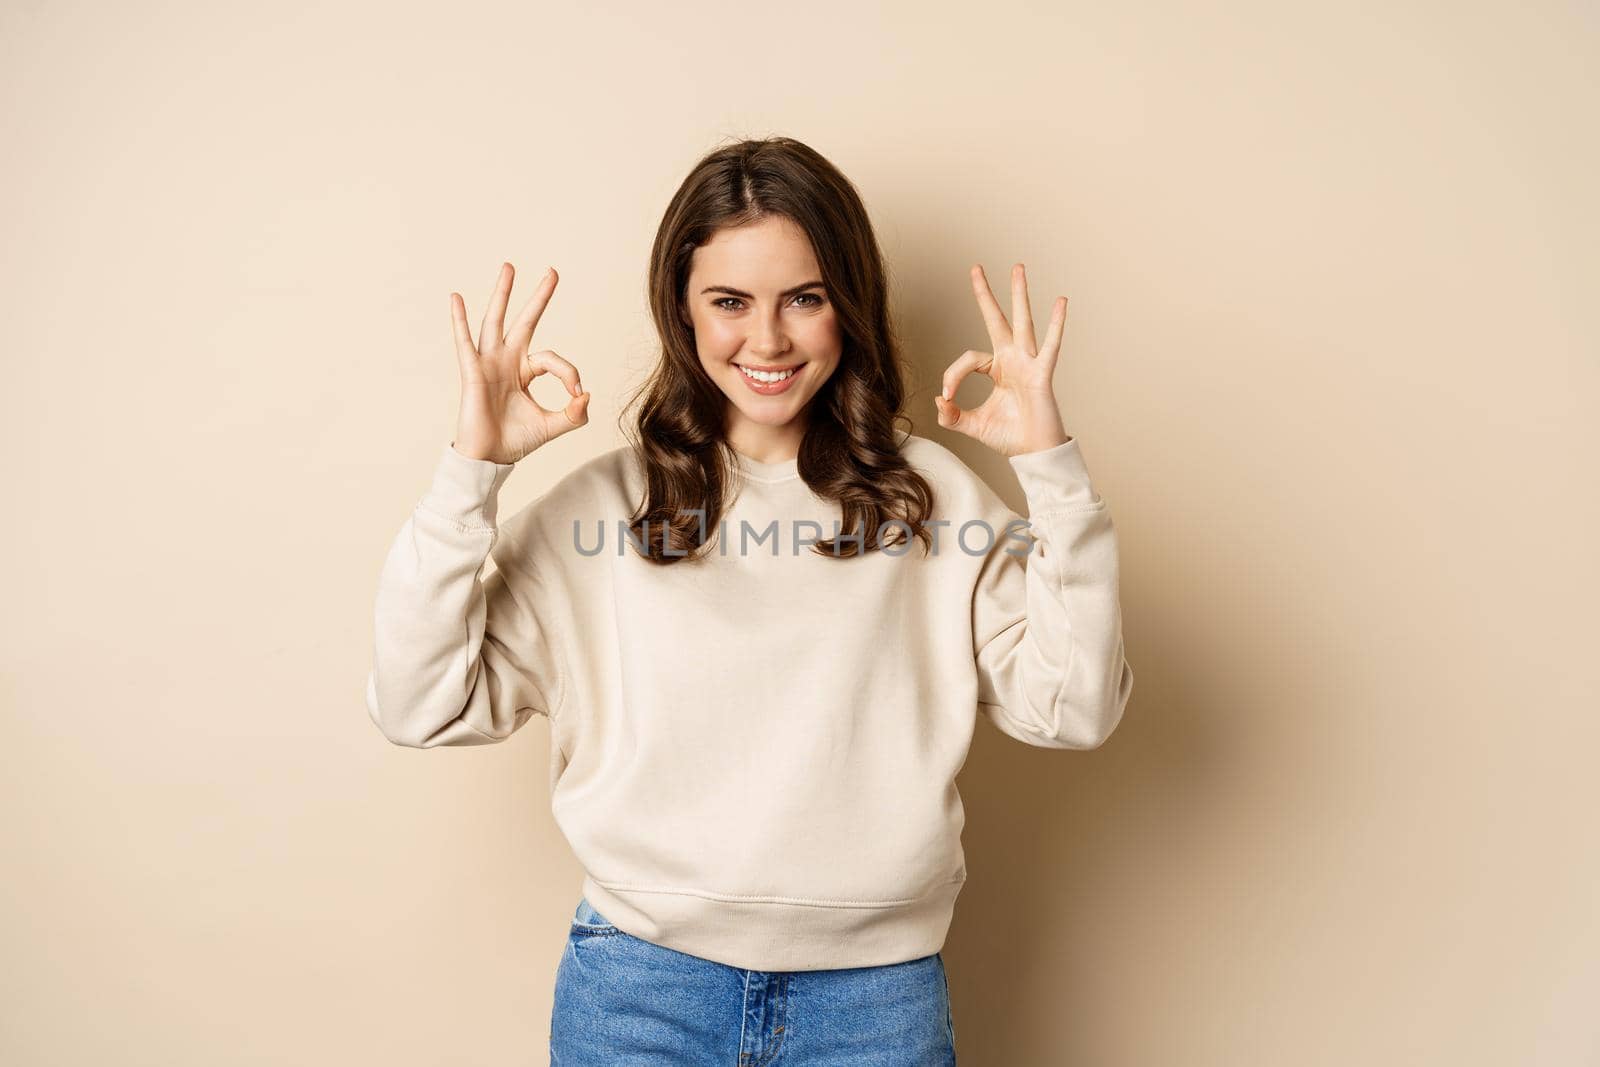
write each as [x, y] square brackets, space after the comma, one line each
[459, 660]
[1047, 623]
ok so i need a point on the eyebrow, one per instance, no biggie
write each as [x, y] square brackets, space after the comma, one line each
[731, 291]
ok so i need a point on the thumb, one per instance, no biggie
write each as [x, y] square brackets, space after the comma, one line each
[949, 413]
[564, 420]
[577, 409]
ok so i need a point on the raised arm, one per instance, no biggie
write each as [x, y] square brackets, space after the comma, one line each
[459, 659]
[1047, 626]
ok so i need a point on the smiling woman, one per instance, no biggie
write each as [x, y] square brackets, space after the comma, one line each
[754, 750]
[772, 342]
[770, 295]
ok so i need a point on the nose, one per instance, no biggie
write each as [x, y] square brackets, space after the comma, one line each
[767, 338]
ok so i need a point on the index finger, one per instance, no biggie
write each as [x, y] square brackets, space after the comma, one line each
[993, 317]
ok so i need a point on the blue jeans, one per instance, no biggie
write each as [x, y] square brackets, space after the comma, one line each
[621, 1000]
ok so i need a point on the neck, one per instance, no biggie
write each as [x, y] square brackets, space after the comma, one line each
[767, 444]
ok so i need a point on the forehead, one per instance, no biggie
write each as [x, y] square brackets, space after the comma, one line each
[773, 253]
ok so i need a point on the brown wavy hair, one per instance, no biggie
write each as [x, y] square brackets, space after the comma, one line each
[849, 453]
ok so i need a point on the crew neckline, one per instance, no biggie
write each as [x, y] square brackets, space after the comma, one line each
[757, 471]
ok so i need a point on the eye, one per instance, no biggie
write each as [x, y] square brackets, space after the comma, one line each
[725, 301]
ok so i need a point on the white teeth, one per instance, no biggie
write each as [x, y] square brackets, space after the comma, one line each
[767, 376]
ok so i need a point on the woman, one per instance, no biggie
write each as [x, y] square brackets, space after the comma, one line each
[760, 632]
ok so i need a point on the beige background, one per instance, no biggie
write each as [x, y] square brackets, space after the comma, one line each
[1332, 356]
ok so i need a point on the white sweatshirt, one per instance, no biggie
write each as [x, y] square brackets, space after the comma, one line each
[753, 756]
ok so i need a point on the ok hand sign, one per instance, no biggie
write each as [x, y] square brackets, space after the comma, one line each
[499, 419]
[1020, 414]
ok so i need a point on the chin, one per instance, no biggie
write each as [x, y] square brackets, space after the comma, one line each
[764, 415]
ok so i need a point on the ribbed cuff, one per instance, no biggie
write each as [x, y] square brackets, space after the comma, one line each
[466, 490]
[1055, 479]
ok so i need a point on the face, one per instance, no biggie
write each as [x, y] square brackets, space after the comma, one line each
[756, 302]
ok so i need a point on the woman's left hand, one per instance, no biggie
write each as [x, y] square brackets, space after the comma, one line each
[1020, 414]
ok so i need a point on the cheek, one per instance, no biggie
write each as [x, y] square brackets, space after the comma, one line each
[717, 337]
[813, 329]
[822, 336]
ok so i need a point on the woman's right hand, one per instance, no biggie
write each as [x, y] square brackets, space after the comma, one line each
[499, 420]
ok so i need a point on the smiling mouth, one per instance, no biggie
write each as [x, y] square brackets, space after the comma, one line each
[768, 375]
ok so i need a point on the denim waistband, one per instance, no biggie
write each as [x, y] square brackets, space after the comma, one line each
[587, 915]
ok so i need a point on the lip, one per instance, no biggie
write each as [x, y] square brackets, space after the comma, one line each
[773, 388]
